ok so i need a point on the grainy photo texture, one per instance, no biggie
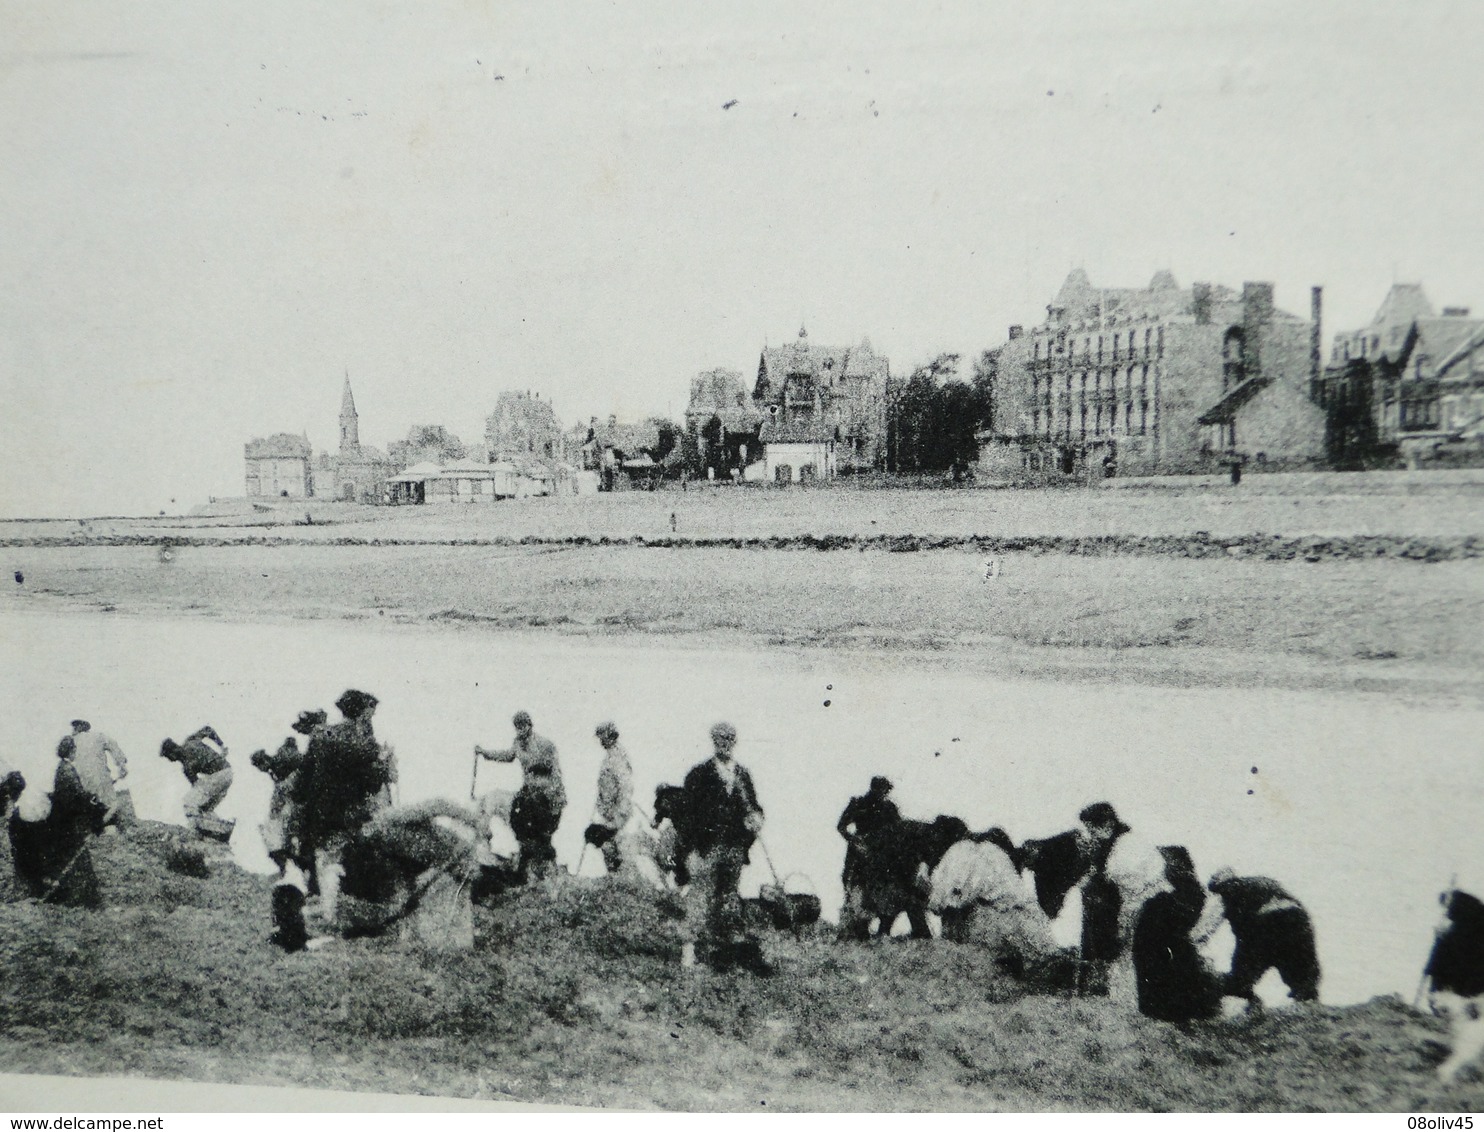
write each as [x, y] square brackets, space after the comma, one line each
[745, 557]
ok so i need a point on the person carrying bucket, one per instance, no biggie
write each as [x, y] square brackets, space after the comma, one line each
[615, 805]
[203, 758]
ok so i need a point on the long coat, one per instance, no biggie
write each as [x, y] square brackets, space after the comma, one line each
[52, 859]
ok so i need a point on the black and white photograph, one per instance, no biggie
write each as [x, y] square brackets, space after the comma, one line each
[743, 557]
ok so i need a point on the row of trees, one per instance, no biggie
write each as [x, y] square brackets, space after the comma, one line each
[931, 418]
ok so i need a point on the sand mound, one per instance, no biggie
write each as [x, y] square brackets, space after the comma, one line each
[574, 995]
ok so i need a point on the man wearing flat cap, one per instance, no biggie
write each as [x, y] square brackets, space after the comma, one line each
[537, 809]
[615, 804]
[723, 819]
[94, 753]
[282, 767]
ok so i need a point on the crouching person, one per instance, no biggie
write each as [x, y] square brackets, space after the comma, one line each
[95, 752]
[722, 819]
[1272, 929]
[413, 867]
[280, 767]
[978, 893]
[203, 758]
[1172, 980]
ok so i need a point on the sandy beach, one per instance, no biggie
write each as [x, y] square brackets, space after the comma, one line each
[1138, 595]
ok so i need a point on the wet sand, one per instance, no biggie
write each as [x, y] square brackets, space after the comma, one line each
[1361, 802]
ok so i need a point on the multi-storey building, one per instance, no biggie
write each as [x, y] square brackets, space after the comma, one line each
[1411, 382]
[523, 426]
[723, 419]
[1158, 379]
[278, 465]
[828, 393]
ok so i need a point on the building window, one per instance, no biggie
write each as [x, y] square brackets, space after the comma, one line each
[1115, 346]
[1147, 334]
[1100, 348]
[1233, 359]
[1160, 342]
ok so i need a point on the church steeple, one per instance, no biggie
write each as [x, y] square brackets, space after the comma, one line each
[350, 429]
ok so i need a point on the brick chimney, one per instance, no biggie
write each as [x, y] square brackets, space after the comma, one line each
[1200, 303]
[1016, 331]
[1316, 337]
[1257, 305]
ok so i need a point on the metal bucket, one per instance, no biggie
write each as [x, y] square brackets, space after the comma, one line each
[789, 910]
[214, 828]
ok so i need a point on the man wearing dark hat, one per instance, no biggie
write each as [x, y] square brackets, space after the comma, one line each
[1455, 974]
[1272, 929]
[1124, 870]
[94, 751]
[537, 809]
[339, 787]
[723, 818]
[863, 817]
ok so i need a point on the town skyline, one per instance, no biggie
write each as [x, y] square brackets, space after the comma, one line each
[211, 219]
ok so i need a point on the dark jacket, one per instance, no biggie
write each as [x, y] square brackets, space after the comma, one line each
[868, 813]
[199, 756]
[1057, 864]
[336, 788]
[1457, 960]
[1244, 899]
[50, 855]
[716, 816]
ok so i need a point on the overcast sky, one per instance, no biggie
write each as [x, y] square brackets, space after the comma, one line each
[210, 212]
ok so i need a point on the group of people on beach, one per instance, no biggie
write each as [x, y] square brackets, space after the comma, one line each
[349, 856]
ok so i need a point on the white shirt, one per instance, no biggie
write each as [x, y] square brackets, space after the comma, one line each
[728, 771]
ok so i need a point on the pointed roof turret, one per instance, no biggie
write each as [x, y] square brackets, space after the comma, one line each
[1074, 289]
[1404, 303]
[350, 429]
